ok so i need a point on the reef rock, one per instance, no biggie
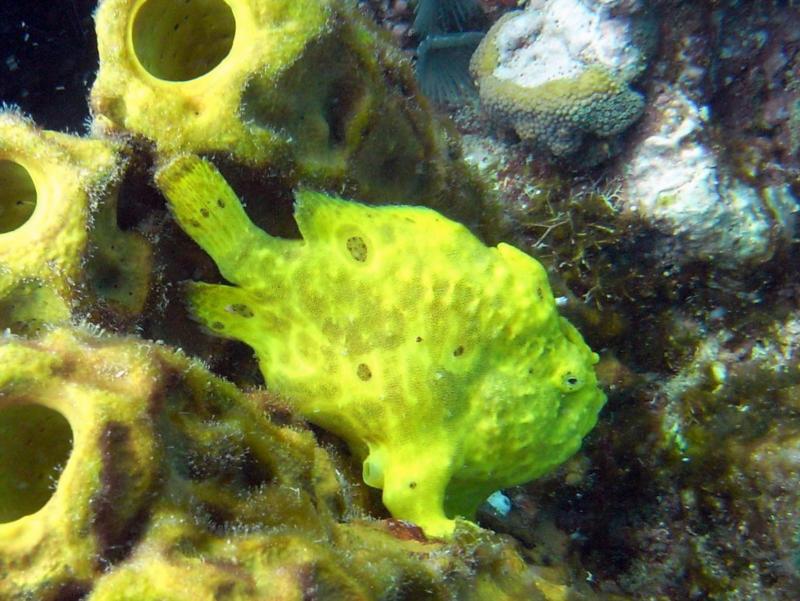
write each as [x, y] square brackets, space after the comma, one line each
[711, 204]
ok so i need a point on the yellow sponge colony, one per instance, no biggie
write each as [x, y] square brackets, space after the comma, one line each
[174, 72]
[58, 229]
[129, 473]
[78, 460]
[443, 363]
[306, 88]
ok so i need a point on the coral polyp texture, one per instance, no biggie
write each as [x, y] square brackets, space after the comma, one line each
[559, 74]
[443, 363]
[305, 88]
[59, 240]
[128, 472]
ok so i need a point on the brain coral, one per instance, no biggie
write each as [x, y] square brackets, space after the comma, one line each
[442, 362]
[559, 73]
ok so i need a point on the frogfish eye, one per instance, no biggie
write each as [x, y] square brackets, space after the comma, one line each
[571, 381]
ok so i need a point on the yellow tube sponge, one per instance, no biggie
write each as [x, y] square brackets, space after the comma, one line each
[78, 460]
[58, 230]
[443, 363]
[129, 472]
[174, 72]
[306, 88]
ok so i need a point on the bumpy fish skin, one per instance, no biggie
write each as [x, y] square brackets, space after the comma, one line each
[443, 363]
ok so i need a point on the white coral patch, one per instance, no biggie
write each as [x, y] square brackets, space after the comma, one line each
[674, 180]
[555, 39]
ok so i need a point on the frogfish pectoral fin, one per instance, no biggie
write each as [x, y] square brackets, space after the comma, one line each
[207, 209]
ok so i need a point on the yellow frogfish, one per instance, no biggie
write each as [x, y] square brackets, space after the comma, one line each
[442, 362]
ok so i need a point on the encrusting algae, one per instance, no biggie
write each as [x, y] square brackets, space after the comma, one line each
[443, 363]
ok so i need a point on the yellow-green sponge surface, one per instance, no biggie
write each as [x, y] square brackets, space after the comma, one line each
[130, 473]
[60, 246]
[300, 90]
[442, 362]
[35, 442]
